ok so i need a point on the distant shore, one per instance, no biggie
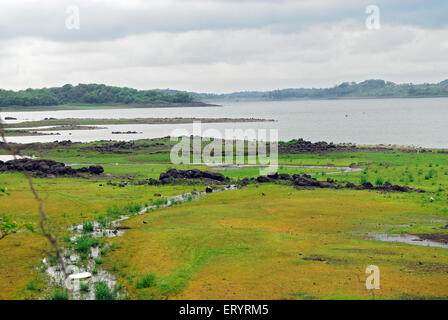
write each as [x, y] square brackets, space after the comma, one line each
[196, 104]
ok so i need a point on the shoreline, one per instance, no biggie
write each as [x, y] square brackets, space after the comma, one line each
[82, 106]
[91, 121]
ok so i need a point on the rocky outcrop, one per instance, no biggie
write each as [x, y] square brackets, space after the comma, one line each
[192, 174]
[46, 167]
[302, 146]
[307, 181]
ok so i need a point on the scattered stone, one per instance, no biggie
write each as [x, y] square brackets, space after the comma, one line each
[123, 228]
[314, 259]
[302, 146]
[47, 168]
[192, 174]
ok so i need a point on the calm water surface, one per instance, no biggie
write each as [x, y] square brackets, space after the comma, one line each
[411, 122]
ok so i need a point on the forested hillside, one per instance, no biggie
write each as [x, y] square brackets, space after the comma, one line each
[367, 89]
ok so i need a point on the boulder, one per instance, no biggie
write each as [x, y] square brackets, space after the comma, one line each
[367, 185]
[96, 169]
[350, 185]
[263, 179]
[213, 175]
[284, 176]
[273, 175]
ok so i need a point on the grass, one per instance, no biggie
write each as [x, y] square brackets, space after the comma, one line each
[103, 292]
[145, 281]
[67, 201]
[84, 243]
[236, 244]
[59, 294]
[87, 227]
[242, 245]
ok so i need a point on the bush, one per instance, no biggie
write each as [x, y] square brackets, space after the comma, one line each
[59, 294]
[84, 243]
[87, 227]
[84, 287]
[103, 292]
[31, 285]
[102, 220]
[379, 181]
[146, 281]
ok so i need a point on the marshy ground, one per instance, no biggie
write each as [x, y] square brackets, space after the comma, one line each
[264, 241]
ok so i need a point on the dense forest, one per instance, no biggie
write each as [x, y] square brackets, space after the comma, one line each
[89, 94]
[368, 88]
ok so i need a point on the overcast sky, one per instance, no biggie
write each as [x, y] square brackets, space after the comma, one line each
[220, 45]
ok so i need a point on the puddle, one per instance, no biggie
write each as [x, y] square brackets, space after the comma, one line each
[241, 166]
[75, 265]
[7, 157]
[406, 238]
[438, 221]
[220, 166]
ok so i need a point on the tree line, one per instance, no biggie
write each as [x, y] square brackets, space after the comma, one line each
[368, 88]
[89, 94]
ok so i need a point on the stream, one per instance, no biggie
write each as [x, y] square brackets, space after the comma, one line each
[87, 271]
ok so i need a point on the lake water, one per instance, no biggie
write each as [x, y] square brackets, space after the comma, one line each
[410, 122]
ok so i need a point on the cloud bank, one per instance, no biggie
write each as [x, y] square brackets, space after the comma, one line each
[220, 46]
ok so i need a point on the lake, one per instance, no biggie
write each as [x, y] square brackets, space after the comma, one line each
[410, 122]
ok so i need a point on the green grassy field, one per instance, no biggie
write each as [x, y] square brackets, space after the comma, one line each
[241, 244]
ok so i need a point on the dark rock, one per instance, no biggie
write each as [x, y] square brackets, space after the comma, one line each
[123, 228]
[314, 259]
[273, 175]
[213, 175]
[367, 185]
[263, 179]
[350, 185]
[157, 195]
[165, 180]
[96, 169]
[324, 184]
[208, 190]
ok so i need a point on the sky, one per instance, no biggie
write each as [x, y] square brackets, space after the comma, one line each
[221, 45]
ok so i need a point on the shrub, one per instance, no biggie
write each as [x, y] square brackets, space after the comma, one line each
[87, 226]
[103, 292]
[102, 220]
[146, 281]
[84, 287]
[379, 181]
[84, 243]
[59, 294]
[31, 285]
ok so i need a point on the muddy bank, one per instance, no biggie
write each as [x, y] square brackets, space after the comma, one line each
[426, 240]
[438, 237]
[26, 133]
[47, 168]
[87, 121]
